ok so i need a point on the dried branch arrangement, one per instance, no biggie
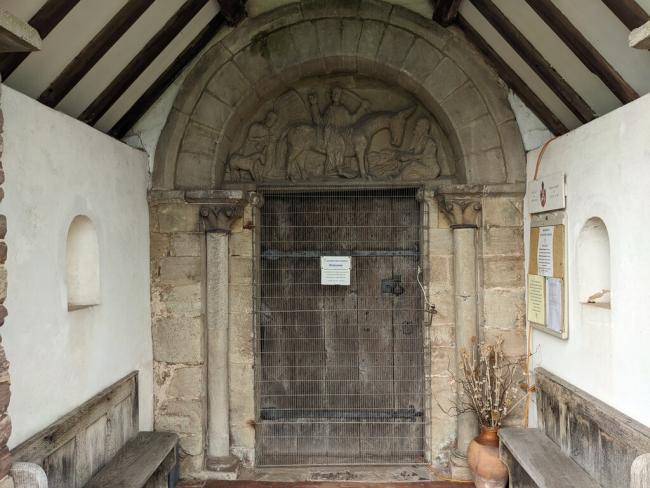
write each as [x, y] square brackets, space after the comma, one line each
[491, 382]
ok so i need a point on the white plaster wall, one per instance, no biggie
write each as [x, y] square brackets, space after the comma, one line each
[57, 168]
[606, 165]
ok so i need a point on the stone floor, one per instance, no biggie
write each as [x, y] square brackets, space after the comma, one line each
[319, 484]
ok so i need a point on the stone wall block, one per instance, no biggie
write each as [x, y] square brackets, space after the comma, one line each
[464, 105]
[375, 9]
[229, 84]
[394, 46]
[441, 241]
[443, 299]
[241, 271]
[441, 271]
[493, 90]
[514, 340]
[159, 245]
[486, 167]
[178, 217]
[3, 284]
[254, 27]
[241, 244]
[181, 416]
[180, 270]
[242, 404]
[503, 211]
[281, 49]
[186, 383]
[442, 359]
[211, 112]
[194, 170]
[305, 40]
[480, 135]
[178, 340]
[316, 9]
[330, 41]
[199, 139]
[186, 244]
[504, 308]
[198, 78]
[503, 241]
[372, 33]
[428, 30]
[254, 63]
[167, 149]
[182, 300]
[241, 336]
[445, 79]
[241, 298]
[513, 150]
[504, 271]
[422, 60]
[443, 336]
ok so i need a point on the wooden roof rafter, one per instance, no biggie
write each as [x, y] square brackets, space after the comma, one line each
[445, 11]
[535, 60]
[629, 12]
[44, 21]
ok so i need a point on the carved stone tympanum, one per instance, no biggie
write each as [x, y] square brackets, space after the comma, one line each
[328, 131]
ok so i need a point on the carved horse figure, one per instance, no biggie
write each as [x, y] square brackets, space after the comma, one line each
[305, 137]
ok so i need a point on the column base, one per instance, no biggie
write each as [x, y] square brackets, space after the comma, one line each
[222, 468]
[459, 467]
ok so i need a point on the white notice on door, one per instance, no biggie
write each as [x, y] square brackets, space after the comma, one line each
[335, 270]
[545, 251]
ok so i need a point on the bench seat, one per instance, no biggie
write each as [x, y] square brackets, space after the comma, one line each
[145, 460]
[543, 460]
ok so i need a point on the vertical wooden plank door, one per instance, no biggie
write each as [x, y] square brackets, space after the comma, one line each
[339, 369]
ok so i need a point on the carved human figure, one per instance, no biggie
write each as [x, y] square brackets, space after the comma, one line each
[420, 159]
[252, 155]
[334, 127]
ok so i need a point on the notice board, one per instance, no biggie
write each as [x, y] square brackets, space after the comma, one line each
[546, 285]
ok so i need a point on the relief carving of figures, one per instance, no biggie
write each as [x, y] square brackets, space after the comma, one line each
[366, 133]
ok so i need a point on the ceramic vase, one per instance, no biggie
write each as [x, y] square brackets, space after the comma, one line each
[483, 459]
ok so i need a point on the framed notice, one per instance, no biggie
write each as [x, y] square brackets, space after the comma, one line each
[547, 294]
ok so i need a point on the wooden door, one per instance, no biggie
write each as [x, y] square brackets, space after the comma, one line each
[340, 369]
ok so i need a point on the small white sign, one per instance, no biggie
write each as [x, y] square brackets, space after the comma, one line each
[335, 270]
[547, 193]
[545, 251]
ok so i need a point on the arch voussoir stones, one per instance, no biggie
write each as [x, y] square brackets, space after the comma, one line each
[232, 87]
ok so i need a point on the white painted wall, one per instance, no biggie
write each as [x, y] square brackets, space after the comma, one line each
[606, 165]
[57, 168]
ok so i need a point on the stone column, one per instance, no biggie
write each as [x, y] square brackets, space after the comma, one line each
[463, 215]
[217, 221]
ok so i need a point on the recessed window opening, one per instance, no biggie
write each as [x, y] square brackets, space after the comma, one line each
[82, 264]
[594, 285]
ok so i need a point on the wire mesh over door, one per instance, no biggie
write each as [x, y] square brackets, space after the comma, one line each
[340, 370]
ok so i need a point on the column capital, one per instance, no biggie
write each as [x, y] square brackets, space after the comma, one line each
[219, 218]
[256, 199]
[460, 212]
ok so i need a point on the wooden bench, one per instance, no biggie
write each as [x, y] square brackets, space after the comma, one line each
[98, 445]
[146, 460]
[580, 443]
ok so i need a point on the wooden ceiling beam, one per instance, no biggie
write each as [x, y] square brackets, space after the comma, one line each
[44, 21]
[93, 52]
[233, 11]
[159, 86]
[629, 12]
[512, 79]
[141, 61]
[445, 11]
[583, 49]
[535, 60]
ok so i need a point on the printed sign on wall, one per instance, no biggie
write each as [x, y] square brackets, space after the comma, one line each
[335, 270]
[547, 193]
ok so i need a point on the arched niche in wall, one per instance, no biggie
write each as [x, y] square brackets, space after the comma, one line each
[82, 264]
[593, 261]
[248, 110]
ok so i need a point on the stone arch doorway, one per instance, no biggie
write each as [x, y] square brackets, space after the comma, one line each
[363, 95]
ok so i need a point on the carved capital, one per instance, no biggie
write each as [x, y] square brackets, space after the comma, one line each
[219, 218]
[460, 212]
[256, 199]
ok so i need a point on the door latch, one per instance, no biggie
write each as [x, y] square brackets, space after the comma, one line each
[392, 285]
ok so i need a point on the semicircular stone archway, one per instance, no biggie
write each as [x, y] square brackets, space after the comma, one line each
[219, 132]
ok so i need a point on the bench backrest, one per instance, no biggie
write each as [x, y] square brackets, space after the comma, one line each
[75, 447]
[602, 440]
